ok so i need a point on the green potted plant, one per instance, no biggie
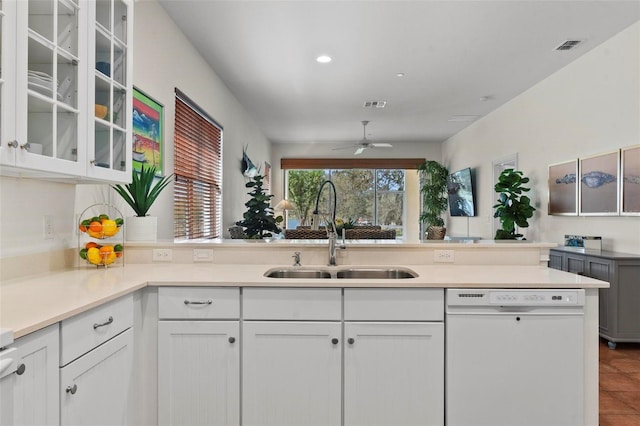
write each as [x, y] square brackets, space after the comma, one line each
[140, 194]
[513, 208]
[433, 187]
[259, 221]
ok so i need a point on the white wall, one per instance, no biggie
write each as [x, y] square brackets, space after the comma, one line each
[164, 60]
[589, 107]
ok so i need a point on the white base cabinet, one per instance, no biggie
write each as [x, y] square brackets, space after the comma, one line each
[393, 373]
[29, 392]
[199, 380]
[291, 373]
[94, 389]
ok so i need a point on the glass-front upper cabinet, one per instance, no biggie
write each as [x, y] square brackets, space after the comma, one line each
[51, 88]
[8, 142]
[111, 88]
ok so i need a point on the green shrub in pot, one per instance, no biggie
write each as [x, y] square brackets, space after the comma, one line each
[513, 208]
[141, 193]
[433, 187]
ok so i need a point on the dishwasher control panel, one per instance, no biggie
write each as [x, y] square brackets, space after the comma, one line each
[535, 298]
[515, 297]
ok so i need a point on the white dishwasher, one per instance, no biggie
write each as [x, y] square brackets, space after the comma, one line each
[514, 357]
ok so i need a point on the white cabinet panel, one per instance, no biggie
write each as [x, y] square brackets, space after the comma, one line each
[291, 373]
[296, 304]
[394, 304]
[30, 395]
[394, 374]
[199, 373]
[94, 389]
[198, 303]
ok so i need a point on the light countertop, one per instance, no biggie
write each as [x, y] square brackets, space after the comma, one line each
[31, 303]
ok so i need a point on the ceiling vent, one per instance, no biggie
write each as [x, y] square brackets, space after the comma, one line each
[568, 45]
[375, 104]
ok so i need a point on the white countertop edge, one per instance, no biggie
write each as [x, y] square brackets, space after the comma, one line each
[31, 303]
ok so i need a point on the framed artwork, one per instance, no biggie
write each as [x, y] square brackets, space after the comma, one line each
[148, 132]
[267, 177]
[630, 182]
[598, 193]
[563, 188]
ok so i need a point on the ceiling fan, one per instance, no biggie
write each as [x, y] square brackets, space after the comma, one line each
[365, 143]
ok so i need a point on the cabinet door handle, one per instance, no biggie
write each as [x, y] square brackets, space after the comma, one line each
[12, 144]
[198, 302]
[334, 341]
[72, 389]
[26, 146]
[20, 370]
[107, 322]
[232, 339]
[351, 340]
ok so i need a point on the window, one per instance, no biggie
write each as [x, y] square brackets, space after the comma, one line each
[197, 197]
[364, 196]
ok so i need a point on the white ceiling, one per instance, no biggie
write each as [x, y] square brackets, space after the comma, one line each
[453, 53]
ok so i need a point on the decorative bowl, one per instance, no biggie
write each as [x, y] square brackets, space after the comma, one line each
[101, 226]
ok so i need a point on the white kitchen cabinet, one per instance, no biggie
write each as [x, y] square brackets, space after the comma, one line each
[48, 60]
[393, 373]
[291, 373]
[199, 373]
[94, 389]
[199, 356]
[110, 90]
[96, 357]
[29, 392]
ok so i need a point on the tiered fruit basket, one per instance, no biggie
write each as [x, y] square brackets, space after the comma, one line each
[101, 236]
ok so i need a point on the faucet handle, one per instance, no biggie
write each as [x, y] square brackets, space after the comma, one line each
[296, 258]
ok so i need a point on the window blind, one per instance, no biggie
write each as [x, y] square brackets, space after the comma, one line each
[198, 172]
[350, 163]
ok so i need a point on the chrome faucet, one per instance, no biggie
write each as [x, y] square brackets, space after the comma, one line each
[296, 259]
[331, 230]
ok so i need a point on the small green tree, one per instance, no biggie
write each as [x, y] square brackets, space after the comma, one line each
[259, 221]
[513, 209]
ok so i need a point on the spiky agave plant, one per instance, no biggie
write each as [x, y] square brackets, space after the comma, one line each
[141, 193]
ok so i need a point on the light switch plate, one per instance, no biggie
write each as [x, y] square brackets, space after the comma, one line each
[162, 255]
[202, 255]
[443, 256]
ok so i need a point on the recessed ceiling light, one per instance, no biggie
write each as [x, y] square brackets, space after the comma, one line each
[323, 59]
[486, 98]
[400, 74]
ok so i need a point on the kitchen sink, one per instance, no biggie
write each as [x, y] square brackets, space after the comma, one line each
[297, 273]
[376, 273]
[389, 273]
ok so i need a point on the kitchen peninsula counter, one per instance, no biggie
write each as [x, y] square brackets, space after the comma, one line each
[30, 303]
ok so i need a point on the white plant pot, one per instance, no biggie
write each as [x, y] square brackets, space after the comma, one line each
[143, 228]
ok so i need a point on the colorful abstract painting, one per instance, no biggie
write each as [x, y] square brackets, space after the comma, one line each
[148, 125]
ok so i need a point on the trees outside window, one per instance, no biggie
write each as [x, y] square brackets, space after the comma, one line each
[365, 196]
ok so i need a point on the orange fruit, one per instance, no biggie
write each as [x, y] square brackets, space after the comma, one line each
[104, 250]
[82, 228]
[95, 226]
[91, 244]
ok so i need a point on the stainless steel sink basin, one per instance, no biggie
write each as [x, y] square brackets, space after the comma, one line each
[388, 273]
[297, 273]
[376, 273]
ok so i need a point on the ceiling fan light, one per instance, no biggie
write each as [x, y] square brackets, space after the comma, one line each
[323, 59]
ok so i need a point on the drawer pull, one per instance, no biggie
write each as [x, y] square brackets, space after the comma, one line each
[72, 389]
[351, 340]
[96, 325]
[232, 339]
[20, 370]
[198, 302]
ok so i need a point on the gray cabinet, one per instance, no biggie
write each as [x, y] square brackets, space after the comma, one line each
[618, 308]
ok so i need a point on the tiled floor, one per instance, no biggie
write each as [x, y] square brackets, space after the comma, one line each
[620, 384]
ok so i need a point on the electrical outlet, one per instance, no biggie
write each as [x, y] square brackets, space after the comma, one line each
[443, 256]
[162, 255]
[49, 230]
[203, 255]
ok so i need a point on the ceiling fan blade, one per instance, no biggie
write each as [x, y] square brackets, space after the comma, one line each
[342, 147]
[381, 145]
[359, 151]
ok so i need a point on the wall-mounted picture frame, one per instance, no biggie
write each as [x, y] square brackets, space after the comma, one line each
[563, 188]
[599, 193]
[148, 132]
[630, 181]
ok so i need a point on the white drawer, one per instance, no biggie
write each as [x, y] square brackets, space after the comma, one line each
[292, 304]
[394, 304]
[85, 331]
[199, 303]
